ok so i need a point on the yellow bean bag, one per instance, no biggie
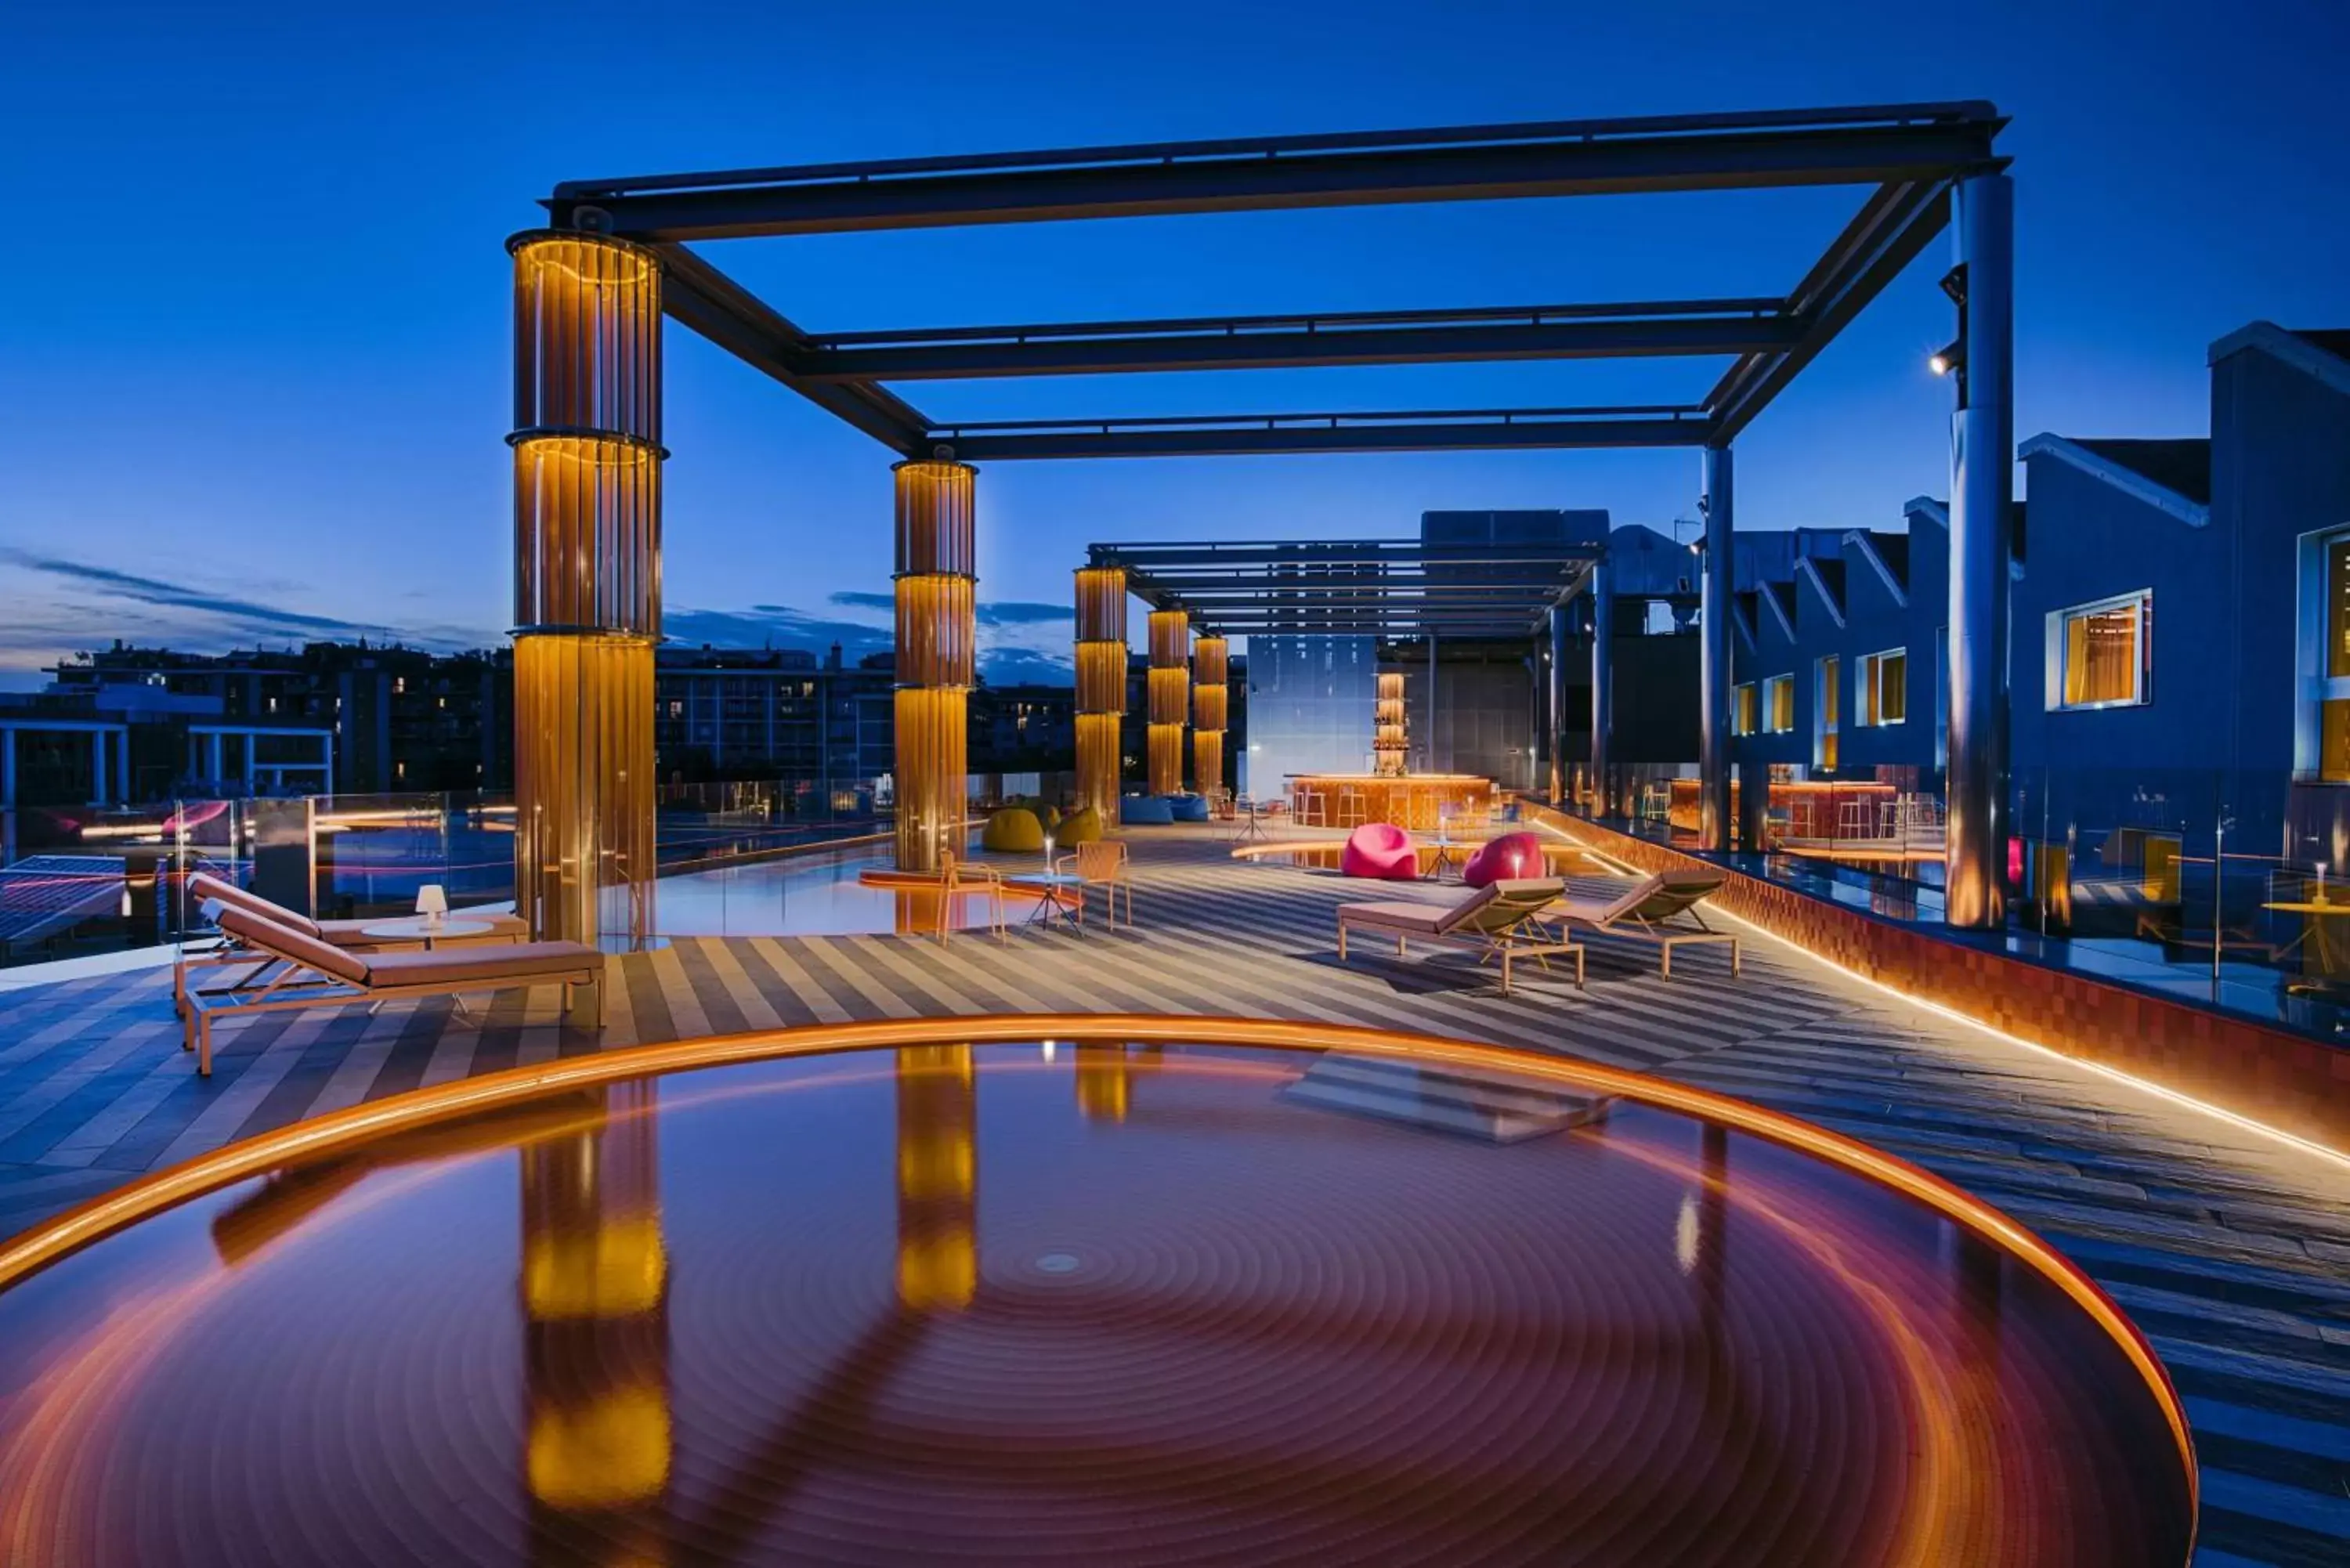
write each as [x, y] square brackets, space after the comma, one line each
[1079, 828]
[1011, 831]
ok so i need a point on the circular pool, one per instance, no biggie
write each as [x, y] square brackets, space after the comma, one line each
[1083, 1301]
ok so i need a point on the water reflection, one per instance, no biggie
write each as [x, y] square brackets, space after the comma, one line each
[752, 1319]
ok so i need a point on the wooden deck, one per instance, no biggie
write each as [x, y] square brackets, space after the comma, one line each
[2233, 1253]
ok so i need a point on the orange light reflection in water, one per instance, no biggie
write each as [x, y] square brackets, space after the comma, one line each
[1364, 1329]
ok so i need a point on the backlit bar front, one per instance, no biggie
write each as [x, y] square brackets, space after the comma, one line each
[1171, 698]
[937, 578]
[1210, 698]
[588, 518]
[1101, 687]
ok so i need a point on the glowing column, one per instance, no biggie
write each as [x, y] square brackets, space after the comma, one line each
[1211, 697]
[1171, 698]
[1387, 733]
[1101, 687]
[587, 464]
[937, 576]
[938, 1178]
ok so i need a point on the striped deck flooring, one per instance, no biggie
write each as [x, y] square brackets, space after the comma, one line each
[2231, 1252]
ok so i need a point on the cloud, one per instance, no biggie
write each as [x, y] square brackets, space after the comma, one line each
[848, 599]
[1018, 612]
[75, 605]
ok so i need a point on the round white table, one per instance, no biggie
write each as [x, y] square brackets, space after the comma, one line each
[417, 928]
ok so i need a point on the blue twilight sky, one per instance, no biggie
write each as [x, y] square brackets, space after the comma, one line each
[254, 356]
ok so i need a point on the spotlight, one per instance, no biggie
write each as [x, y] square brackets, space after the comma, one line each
[1951, 355]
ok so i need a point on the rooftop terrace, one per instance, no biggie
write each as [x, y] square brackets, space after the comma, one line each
[2229, 1249]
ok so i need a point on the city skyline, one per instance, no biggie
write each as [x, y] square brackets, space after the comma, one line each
[327, 356]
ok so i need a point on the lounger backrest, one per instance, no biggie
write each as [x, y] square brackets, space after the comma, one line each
[1466, 909]
[285, 942]
[1629, 899]
[1677, 891]
[204, 885]
[1514, 899]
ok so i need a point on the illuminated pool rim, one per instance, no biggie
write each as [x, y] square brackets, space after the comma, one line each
[344, 1130]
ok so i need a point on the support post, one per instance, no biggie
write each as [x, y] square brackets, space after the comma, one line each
[937, 589]
[1603, 688]
[1555, 777]
[1754, 805]
[1211, 700]
[587, 463]
[1101, 687]
[1713, 675]
[1170, 697]
[1982, 493]
[1436, 761]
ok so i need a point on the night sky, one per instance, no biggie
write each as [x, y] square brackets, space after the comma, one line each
[254, 366]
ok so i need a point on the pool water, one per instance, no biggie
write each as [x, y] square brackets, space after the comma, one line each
[1070, 1303]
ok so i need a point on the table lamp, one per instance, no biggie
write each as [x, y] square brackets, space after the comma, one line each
[433, 902]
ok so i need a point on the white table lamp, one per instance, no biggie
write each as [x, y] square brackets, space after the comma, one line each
[433, 902]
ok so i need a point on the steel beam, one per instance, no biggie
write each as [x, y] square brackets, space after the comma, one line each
[1172, 439]
[1834, 146]
[1892, 228]
[1321, 342]
[697, 295]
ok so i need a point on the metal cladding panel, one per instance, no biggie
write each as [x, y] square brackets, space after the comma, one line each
[586, 515]
[937, 519]
[587, 319]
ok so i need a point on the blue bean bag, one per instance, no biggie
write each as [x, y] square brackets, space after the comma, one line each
[1146, 811]
[1189, 808]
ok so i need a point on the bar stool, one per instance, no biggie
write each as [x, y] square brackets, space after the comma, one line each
[1309, 808]
[1350, 806]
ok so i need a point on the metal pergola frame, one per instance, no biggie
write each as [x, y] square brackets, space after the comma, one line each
[1912, 154]
[1393, 589]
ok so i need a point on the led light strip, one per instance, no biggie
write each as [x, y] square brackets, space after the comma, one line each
[2234, 1118]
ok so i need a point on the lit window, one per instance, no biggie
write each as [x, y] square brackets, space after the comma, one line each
[1778, 704]
[1741, 710]
[2101, 655]
[1829, 694]
[1885, 687]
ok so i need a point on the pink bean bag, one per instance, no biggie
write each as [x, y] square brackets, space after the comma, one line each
[1381, 851]
[1512, 856]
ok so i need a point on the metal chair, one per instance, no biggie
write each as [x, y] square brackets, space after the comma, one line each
[1103, 863]
[959, 877]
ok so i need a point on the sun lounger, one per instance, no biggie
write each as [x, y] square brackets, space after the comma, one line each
[304, 972]
[222, 948]
[1495, 919]
[1643, 910]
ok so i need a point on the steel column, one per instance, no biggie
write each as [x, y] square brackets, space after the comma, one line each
[1435, 763]
[937, 584]
[587, 464]
[1982, 492]
[1101, 655]
[1753, 803]
[1714, 676]
[1603, 687]
[1556, 694]
[1210, 695]
[1171, 698]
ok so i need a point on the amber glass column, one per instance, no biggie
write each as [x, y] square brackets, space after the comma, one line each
[1209, 696]
[937, 576]
[1171, 698]
[595, 1289]
[1101, 687]
[1387, 737]
[938, 1177]
[587, 463]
